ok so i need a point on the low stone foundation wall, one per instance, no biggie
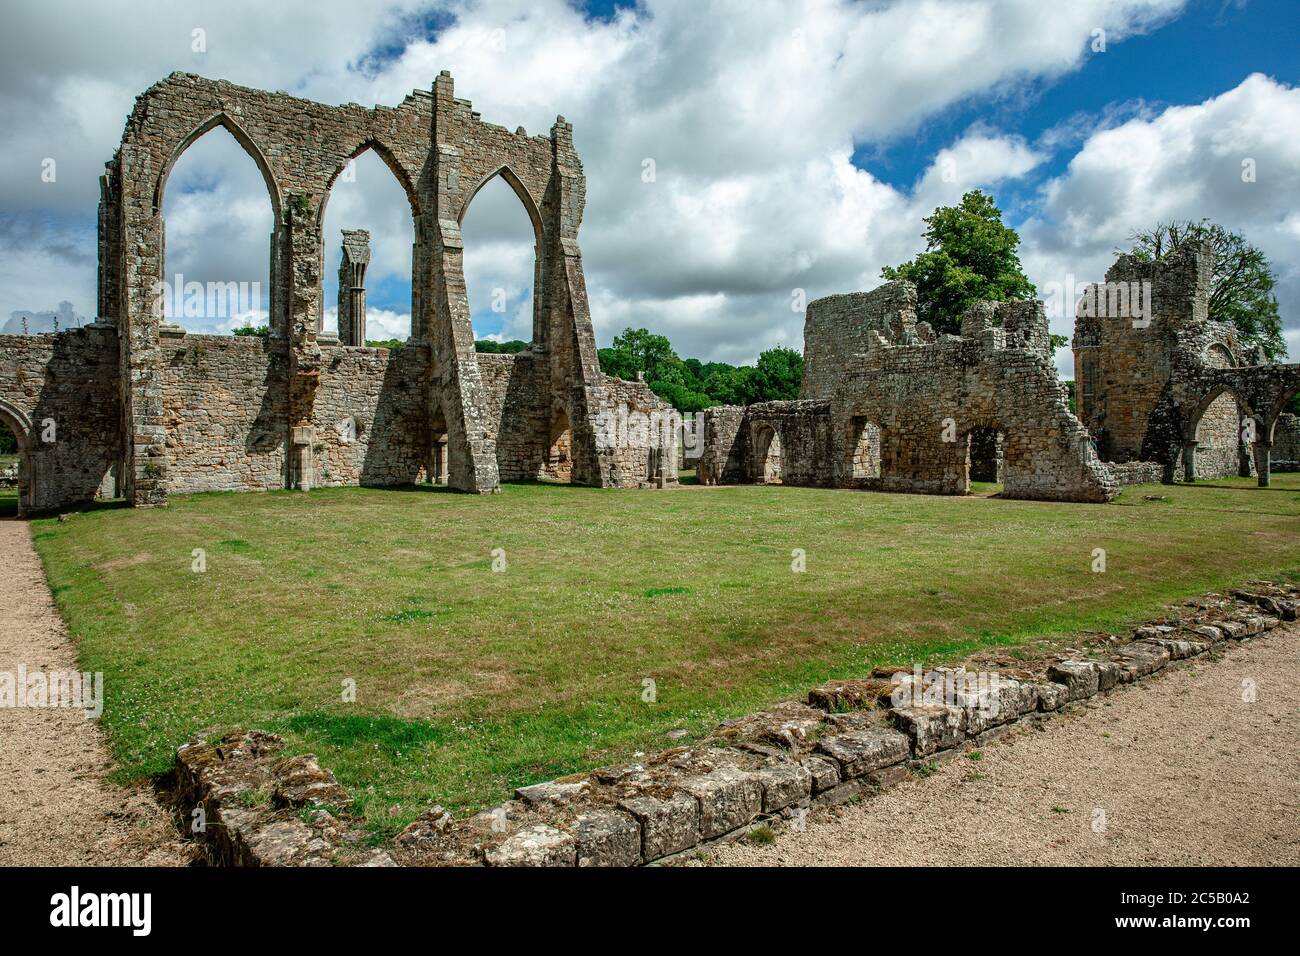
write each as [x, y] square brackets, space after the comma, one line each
[847, 738]
[1137, 472]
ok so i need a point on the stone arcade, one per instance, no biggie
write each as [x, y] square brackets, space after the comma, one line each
[141, 407]
[136, 406]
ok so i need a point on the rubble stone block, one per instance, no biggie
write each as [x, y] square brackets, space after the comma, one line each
[536, 845]
[784, 784]
[667, 826]
[729, 799]
[858, 752]
[1141, 658]
[1052, 696]
[825, 773]
[991, 707]
[552, 792]
[607, 838]
[1080, 678]
[931, 727]
[1210, 632]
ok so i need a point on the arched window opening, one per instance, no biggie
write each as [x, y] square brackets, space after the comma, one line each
[767, 457]
[217, 224]
[558, 464]
[501, 263]
[367, 237]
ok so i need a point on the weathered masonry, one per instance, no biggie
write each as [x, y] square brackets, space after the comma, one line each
[1172, 388]
[888, 405]
[178, 412]
[1163, 394]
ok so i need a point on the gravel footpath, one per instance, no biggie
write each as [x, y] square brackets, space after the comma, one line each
[57, 805]
[1183, 770]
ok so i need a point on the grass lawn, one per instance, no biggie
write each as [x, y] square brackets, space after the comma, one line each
[8, 494]
[471, 681]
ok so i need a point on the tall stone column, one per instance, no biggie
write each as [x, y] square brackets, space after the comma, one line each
[304, 252]
[1189, 461]
[140, 273]
[1262, 450]
[575, 365]
[352, 286]
[455, 384]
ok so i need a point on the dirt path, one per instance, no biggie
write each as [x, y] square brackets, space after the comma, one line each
[57, 805]
[1184, 771]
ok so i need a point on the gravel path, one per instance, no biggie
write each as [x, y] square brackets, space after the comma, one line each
[1184, 771]
[57, 805]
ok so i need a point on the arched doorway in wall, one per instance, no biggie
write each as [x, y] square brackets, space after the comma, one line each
[1284, 432]
[368, 210]
[558, 463]
[1221, 451]
[985, 458]
[1217, 430]
[436, 469]
[863, 450]
[501, 235]
[16, 488]
[218, 214]
[768, 466]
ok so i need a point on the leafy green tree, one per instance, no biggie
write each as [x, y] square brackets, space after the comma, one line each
[8, 440]
[691, 385]
[491, 347]
[261, 331]
[778, 374]
[1241, 286]
[650, 352]
[969, 255]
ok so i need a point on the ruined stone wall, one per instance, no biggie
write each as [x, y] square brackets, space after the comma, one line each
[837, 327]
[441, 152]
[927, 400]
[224, 401]
[637, 453]
[725, 442]
[371, 425]
[62, 387]
[516, 389]
[1172, 386]
[225, 404]
[1131, 359]
[803, 431]
[1286, 442]
[902, 406]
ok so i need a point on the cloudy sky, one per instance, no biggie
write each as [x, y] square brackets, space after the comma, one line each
[796, 145]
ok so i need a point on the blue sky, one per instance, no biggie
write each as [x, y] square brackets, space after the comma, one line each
[1211, 47]
[797, 143]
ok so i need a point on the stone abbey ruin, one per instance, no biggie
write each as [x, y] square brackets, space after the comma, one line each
[136, 407]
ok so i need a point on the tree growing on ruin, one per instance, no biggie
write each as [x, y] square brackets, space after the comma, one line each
[1241, 286]
[970, 254]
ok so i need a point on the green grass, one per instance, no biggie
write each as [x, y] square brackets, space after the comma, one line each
[469, 681]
